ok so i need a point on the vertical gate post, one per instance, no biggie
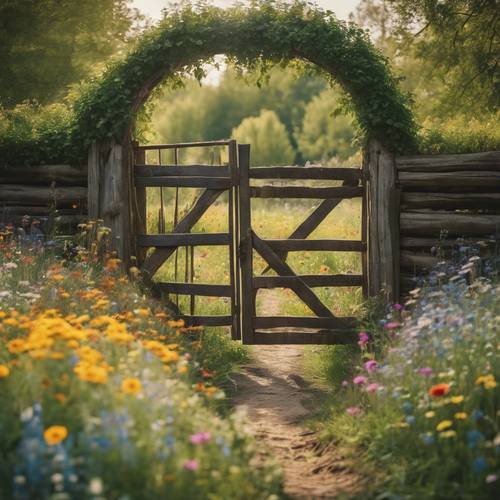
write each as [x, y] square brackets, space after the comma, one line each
[109, 192]
[383, 222]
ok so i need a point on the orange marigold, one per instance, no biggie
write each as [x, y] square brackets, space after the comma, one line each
[55, 434]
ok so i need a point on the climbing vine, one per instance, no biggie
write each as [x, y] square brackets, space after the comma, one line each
[254, 37]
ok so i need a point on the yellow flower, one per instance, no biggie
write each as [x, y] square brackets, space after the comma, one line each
[91, 373]
[55, 434]
[4, 371]
[487, 381]
[430, 414]
[10, 322]
[443, 425]
[456, 399]
[447, 434]
[131, 386]
[143, 312]
[461, 415]
[16, 345]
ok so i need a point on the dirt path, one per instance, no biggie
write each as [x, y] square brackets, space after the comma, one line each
[276, 399]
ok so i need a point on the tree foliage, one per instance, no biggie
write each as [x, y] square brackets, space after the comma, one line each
[268, 137]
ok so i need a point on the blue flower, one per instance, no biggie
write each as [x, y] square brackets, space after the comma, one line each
[473, 438]
[479, 465]
[407, 407]
[410, 420]
[427, 438]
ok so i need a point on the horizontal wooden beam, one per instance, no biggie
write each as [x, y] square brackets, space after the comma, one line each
[450, 200]
[320, 173]
[182, 239]
[62, 175]
[489, 160]
[293, 245]
[453, 180]
[312, 280]
[330, 338]
[415, 259]
[302, 322]
[58, 219]
[305, 192]
[42, 195]
[193, 182]
[415, 242]
[180, 145]
[181, 171]
[432, 222]
[207, 320]
[208, 290]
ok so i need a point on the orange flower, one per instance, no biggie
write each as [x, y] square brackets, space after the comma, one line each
[131, 385]
[55, 434]
[4, 371]
[16, 345]
[439, 390]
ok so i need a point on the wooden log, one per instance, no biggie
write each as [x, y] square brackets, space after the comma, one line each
[204, 289]
[188, 182]
[341, 337]
[181, 171]
[182, 239]
[450, 200]
[383, 227]
[58, 219]
[311, 280]
[301, 322]
[63, 196]
[61, 175]
[412, 259]
[206, 320]
[416, 242]
[295, 245]
[34, 210]
[320, 173]
[451, 180]
[305, 192]
[154, 261]
[489, 160]
[431, 223]
[180, 145]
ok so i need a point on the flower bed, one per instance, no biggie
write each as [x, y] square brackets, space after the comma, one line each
[102, 395]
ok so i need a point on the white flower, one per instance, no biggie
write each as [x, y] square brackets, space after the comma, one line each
[95, 486]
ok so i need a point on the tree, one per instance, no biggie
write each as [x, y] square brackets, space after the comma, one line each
[324, 136]
[45, 46]
[268, 137]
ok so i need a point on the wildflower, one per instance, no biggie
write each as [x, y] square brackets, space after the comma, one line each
[360, 380]
[473, 438]
[372, 387]
[200, 437]
[324, 269]
[407, 407]
[397, 307]
[426, 371]
[371, 366]
[191, 465]
[354, 411]
[443, 425]
[131, 386]
[16, 346]
[363, 339]
[392, 325]
[410, 420]
[477, 415]
[55, 434]
[427, 438]
[460, 415]
[447, 434]
[439, 390]
[430, 414]
[487, 381]
[456, 399]
[491, 478]
[479, 465]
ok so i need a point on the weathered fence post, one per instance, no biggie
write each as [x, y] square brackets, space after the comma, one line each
[383, 221]
[109, 187]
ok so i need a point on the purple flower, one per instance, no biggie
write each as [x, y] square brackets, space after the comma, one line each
[397, 307]
[200, 437]
[363, 339]
[426, 371]
[191, 464]
[392, 325]
[360, 380]
[371, 366]
[354, 411]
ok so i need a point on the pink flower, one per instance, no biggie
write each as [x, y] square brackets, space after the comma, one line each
[360, 380]
[372, 387]
[354, 411]
[371, 366]
[191, 464]
[491, 478]
[363, 339]
[345, 383]
[392, 325]
[200, 437]
[398, 307]
[426, 371]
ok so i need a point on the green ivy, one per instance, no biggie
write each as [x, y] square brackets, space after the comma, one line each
[255, 37]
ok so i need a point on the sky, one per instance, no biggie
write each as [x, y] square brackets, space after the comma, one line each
[153, 8]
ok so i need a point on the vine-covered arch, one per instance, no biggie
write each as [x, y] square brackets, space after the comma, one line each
[263, 32]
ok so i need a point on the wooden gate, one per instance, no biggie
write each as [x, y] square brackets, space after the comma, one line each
[236, 177]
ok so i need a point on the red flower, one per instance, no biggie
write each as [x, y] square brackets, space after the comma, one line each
[439, 390]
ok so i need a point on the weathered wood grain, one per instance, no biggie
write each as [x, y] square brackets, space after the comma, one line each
[61, 175]
[39, 195]
[451, 180]
[488, 160]
[319, 173]
[305, 192]
[451, 200]
[311, 280]
[182, 239]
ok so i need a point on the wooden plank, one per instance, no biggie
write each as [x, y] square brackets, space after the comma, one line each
[247, 298]
[320, 173]
[341, 337]
[450, 200]
[39, 195]
[364, 234]
[431, 223]
[140, 210]
[204, 289]
[414, 259]
[62, 175]
[311, 280]
[179, 145]
[298, 286]
[305, 192]
[201, 205]
[206, 320]
[192, 182]
[488, 160]
[93, 193]
[182, 239]
[44, 210]
[428, 243]
[143, 170]
[295, 245]
[265, 322]
[58, 219]
[453, 180]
